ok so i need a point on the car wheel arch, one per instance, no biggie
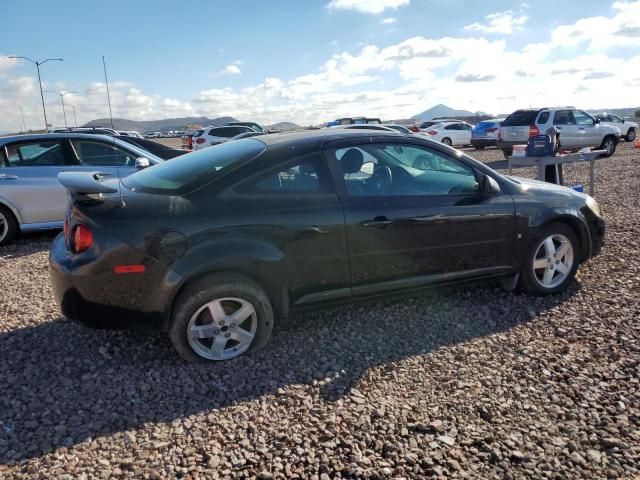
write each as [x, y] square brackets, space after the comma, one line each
[277, 293]
[11, 208]
[579, 228]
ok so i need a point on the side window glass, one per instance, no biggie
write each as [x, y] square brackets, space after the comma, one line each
[582, 118]
[102, 154]
[563, 117]
[35, 154]
[543, 118]
[303, 175]
[402, 170]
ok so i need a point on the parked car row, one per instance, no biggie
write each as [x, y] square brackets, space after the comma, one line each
[215, 246]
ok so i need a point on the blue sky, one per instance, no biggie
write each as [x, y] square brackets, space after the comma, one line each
[307, 61]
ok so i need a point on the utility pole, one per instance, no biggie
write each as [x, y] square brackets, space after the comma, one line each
[62, 94]
[24, 125]
[37, 64]
[106, 81]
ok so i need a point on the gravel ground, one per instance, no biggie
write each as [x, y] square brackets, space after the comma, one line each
[467, 383]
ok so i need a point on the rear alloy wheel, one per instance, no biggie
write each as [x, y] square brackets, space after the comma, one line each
[221, 317]
[631, 135]
[552, 261]
[609, 146]
[447, 141]
[8, 226]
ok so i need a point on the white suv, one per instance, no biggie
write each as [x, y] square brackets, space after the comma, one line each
[627, 129]
[577, 129]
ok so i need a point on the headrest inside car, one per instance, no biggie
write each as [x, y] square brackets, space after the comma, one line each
[352, 161]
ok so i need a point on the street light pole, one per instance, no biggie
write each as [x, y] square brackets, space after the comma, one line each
[24, 125]
[37, 64]
[64, 113]
[75, 119]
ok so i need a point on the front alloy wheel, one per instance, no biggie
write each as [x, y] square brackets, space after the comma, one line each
[553, 261]
[631, 135]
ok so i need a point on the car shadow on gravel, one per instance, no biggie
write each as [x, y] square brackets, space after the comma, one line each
[63, 384]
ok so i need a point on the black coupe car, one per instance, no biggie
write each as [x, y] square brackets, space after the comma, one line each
[215, 245]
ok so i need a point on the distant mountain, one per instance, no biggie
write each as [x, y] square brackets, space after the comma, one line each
[164, 125]
[442, 111]
[284, 126]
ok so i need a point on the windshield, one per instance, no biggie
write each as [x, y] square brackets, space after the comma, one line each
[189, 172]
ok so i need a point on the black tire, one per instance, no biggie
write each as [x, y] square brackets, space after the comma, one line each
[507, 153]
[631, 135]
[609, 140]
[8, 226]
[527, 282]
[209, 288]
[447, 141]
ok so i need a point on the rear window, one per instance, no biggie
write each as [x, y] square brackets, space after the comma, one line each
[521, 118]
[198, 133]
[189, 172]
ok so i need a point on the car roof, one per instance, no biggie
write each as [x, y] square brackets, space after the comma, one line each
[322, 136]
[49, 136]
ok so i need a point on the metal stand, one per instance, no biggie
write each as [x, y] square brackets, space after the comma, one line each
[542, 162]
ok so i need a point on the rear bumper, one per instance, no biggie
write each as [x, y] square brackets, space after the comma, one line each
[483, 142]
[508, 144]
[87, 290]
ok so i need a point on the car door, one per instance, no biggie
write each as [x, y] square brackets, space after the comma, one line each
[292, 205]
[428, 224]
[29, 178]
[587, 131]
[563, 120]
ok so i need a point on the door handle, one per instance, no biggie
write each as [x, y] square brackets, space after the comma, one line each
[8, 176]
[377, 222]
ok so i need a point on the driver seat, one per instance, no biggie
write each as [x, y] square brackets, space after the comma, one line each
[351, 162]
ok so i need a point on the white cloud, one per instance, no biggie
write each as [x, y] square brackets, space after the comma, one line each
[500, 22]
[603, 33]
[388, 21]
[366, 6]
[231, 70]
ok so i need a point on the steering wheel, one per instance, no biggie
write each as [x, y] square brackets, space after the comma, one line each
[381, 180]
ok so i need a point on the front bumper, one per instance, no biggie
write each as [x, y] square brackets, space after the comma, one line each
[597, 229]
[87, 290]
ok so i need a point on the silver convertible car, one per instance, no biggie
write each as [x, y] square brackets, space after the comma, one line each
[31, 197]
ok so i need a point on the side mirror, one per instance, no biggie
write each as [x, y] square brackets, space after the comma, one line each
[489, 185]
[142, 162]
[597, 120]
[367, 168]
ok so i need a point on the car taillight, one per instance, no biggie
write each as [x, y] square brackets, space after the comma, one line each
[432, 132]
[200, 140]
[82, 238]
[533, 131]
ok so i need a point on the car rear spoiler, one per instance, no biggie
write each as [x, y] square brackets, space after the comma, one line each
[85, 183]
